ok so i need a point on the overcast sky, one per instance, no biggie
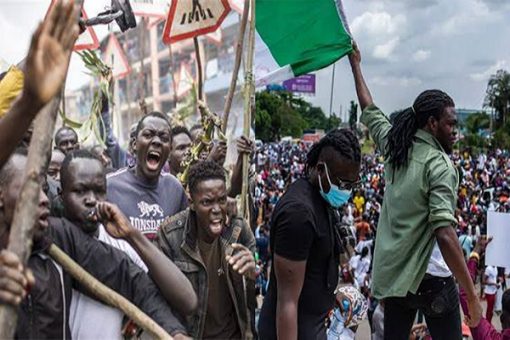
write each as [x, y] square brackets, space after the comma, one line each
[411, 45]
[407, 46]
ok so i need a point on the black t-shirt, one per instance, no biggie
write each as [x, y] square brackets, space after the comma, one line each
[301, 229]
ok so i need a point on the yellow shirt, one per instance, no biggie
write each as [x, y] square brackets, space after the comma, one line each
[10, 87]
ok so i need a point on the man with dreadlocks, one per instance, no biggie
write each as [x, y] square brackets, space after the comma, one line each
[304, 245]
[416, 244]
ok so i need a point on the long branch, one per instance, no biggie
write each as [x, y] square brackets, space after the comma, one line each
[26, 211]
[199, 70]
[106, 294]
[237, 64]
[248, 106]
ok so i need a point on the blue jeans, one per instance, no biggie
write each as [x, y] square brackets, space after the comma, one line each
[437, 298]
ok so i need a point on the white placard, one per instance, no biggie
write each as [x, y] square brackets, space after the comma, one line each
[498, 251]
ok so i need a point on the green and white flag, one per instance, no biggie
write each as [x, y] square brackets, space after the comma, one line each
[295, 37]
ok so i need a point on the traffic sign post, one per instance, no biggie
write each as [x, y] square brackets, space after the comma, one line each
[188, 19]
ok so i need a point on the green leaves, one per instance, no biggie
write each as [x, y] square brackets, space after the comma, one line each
[94, 123]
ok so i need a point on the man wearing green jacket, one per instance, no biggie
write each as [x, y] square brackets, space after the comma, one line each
[417, 251]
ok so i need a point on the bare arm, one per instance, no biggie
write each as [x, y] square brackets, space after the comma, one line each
[174, 286]
[290, 276]
[364, 96]
[452, 253]
[244, 146]
[45, 70]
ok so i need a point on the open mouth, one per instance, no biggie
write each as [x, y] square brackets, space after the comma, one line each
[216, 226]
[153, 160]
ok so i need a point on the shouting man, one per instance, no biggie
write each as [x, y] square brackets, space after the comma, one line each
[143, 193]
[200, 242]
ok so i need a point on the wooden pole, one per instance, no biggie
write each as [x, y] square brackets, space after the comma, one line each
[249, 95]
[26, 211]
[200, 87]
[171, 69]
[141, 74]
[107, 295]
[237, 64]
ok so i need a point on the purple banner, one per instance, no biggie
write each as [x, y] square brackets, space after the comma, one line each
[304, 84]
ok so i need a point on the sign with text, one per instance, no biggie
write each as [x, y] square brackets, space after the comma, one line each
[190, 18]
[498, 226]
[303, 84]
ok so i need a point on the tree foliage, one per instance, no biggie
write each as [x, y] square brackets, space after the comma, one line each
[280, 113]
[353, 115]
[498, 96]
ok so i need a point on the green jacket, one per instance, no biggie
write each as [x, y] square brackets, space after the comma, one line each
[177, 239]
[418, 199]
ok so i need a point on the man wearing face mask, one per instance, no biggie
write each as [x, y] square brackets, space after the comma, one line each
[303, 242]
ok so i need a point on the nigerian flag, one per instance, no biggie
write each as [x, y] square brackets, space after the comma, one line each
[295, 37]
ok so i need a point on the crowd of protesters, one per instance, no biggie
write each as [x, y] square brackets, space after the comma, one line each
[484, 186]
[183, 255]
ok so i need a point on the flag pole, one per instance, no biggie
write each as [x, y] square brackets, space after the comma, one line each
[26, 211]
[332, 88]
[237, 64]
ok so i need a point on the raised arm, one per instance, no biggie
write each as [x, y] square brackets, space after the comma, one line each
[45, 70]
[113, 148]
[174, 286]
[364, 96]
[244, 146]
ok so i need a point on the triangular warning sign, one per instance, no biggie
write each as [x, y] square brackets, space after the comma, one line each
[188, 19]
[185, 81]
[88, 39]
[115, 57]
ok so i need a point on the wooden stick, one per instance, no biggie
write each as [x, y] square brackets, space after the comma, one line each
[237, 64]
[249, 96]
[107, 295]
[248, 105]
[141, 74]
[172, 75]
[200, 88]
[26, 211]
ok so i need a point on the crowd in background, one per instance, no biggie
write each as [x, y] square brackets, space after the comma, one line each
[484, 185]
